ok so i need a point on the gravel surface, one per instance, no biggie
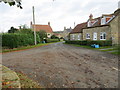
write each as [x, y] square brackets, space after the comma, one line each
[60, 65]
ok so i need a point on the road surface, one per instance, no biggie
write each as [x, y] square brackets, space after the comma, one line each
[65, 66]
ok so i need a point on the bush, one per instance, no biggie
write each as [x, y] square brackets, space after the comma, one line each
[15, 40]
[52, 40]
[88, 42]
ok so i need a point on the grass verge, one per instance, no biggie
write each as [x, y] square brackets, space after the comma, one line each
[117, 52]
[24, 47]
[27, 82]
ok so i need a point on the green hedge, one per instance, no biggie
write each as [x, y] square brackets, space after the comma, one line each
[88, 43]
[52, 40]
[15, 40]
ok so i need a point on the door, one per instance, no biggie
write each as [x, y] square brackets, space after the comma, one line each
[94, 36]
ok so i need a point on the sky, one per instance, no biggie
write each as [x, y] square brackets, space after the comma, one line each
[60, 13]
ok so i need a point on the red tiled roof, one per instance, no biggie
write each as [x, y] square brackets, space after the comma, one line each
[79, 27]
[46, 28]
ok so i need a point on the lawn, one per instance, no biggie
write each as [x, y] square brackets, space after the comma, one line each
[107, 48]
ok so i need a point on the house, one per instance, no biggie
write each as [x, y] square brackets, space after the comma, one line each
[66, 33]
[105, 27]
[58, 34]
[76, 33]
[46, 28]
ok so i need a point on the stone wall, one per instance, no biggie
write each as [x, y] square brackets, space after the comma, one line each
[76, 36]
[115, 27]
[98, 30]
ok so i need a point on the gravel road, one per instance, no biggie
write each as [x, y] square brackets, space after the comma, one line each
[65, 66]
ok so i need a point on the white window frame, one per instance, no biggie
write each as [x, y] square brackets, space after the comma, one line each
[79, 37]
[87, 36]
[102, 35]
[73, 36]
[94, 36]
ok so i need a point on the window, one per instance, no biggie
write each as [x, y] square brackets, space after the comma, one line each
[87, 36]
[102, 36]
[73, 36]
[78, 37]
[94, 36]
[48, 34]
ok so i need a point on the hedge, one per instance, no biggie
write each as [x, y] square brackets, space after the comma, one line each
[52, 40]
[15, 40]
[88, 43]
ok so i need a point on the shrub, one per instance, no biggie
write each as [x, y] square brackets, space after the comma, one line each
[52, 40]
[88, 42]
[15, 40]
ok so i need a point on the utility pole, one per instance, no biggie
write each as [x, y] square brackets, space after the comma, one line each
[34, 26]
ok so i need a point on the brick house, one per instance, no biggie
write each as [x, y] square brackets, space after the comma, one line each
[105, 27]
[46, 28]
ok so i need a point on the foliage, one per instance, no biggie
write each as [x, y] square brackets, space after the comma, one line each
[88, 43]
[54, 37]
[13, 2]
[52, 40]
[42, 34]
[12, 30]
[15, 40]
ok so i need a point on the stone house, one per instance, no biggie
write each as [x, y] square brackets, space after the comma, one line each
[103, 28]
[46, 28]
[76, 33]
[106, 27]
[66, 33]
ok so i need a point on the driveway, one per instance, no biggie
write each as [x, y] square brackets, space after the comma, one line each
[60, 65]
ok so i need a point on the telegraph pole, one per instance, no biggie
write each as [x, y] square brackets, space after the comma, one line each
[34, 27]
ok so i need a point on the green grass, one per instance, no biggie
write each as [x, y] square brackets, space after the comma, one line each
[27, 82]
[24, 47]
[105, 47]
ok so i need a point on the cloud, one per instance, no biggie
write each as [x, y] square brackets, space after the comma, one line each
[60, 12]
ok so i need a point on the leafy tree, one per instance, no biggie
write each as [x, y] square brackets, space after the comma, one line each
[25, 31]
[54, 37]
[12, 30]
[13, 2]
[42, 34]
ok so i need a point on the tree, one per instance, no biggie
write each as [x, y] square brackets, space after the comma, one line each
[42, 34]
[13, 2]
[12, 30]
[54, 37]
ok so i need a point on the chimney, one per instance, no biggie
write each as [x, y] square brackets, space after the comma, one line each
[64, 28]
[90, 17]
[49, 23]
[119, 5]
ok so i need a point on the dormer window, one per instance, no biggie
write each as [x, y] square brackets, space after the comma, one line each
[106, 19]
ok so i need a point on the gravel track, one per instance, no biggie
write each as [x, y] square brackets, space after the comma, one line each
[65, 66]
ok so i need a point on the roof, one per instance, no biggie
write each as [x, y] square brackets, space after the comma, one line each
[46, 28]
[79, 27]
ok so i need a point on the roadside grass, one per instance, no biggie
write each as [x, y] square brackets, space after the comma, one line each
[24, 47]
[11, 79]
[27, 82]
[107, 48]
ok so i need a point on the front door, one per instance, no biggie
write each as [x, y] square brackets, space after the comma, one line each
[94, 36]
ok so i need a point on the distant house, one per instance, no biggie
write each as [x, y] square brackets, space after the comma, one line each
[66, 33]
[76, 33]
[46, 28]
[58, 34]
[105, 27]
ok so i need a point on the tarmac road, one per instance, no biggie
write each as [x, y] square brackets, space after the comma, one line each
[65, 66]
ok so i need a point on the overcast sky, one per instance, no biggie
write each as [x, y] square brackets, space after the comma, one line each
[59, 13]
